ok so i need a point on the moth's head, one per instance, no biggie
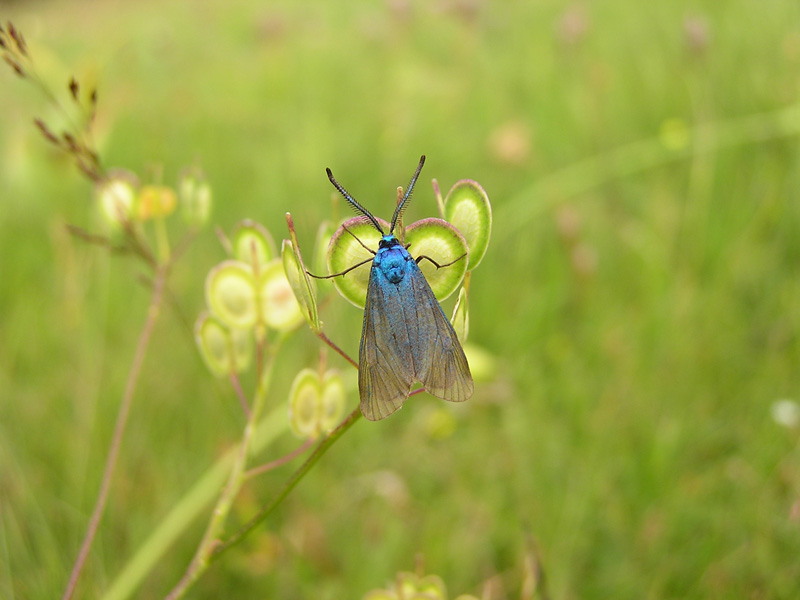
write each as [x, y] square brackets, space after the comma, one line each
[388, 241]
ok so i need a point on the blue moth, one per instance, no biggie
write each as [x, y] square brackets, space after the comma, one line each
[406, 337]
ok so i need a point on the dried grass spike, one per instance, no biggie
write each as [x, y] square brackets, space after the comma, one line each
[17, 37]
[14, 65]
[74, 88]
[49, 135]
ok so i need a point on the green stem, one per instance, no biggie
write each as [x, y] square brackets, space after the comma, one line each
[296, 477]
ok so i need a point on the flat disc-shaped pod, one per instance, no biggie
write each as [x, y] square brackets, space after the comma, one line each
[345, 251]
[225, 350]
[440, 241]
[277, 302]
[117, 197]
[316, 402]
[252, 243]
[231, 294]
[467, 207]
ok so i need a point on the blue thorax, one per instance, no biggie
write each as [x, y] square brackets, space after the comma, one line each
[392, 259]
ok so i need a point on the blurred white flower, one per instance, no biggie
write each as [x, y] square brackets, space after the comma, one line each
[786, 412]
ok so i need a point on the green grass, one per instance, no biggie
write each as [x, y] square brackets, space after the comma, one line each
[627, 426]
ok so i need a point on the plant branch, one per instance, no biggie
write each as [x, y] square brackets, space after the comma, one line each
[237, 386]
[341, 352]
[280, 461]
[296, 477]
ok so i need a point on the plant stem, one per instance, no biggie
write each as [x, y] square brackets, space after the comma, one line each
[236, 479]
[437, 193]
[119, 427]
[237, 387]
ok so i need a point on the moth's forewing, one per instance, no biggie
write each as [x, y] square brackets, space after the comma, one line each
[385, 373]
[439, 361]
[406, 337]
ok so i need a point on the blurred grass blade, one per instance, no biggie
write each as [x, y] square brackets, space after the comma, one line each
[636, 157]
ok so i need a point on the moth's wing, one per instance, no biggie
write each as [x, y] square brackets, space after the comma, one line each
[439, 361]
[385, 372]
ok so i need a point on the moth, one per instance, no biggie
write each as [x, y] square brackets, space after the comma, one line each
[406, 337]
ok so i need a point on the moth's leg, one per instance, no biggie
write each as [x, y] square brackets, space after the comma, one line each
[345, 272]
[437, 265]
[363, 245]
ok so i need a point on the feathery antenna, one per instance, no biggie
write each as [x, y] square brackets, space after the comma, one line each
[404, 202]
[353, 203]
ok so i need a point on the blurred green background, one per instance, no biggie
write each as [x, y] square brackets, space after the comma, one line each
[640, 297]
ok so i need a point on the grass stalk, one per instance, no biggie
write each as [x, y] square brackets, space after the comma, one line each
[119, 429]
